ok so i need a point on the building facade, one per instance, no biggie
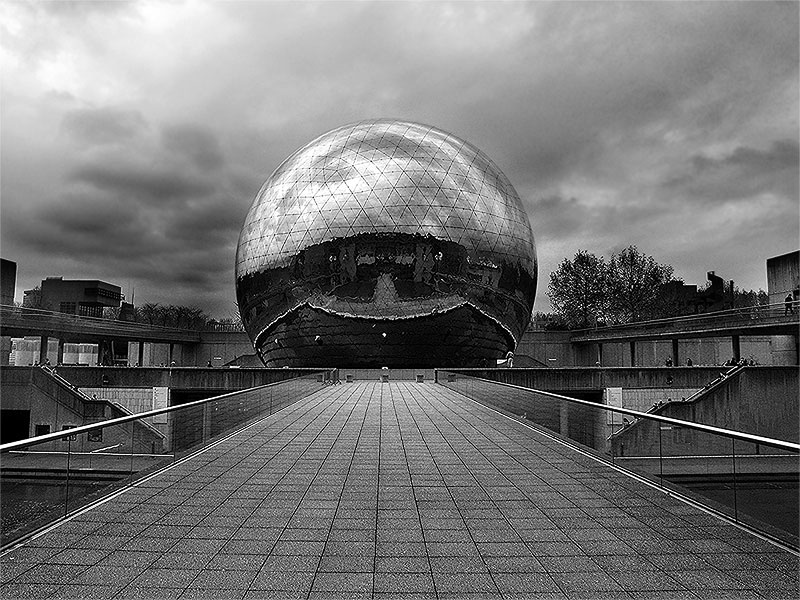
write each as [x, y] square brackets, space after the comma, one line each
[84, 297]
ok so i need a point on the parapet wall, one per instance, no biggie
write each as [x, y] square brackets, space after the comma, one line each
[759, 400]
[225, 379]
[599, 378]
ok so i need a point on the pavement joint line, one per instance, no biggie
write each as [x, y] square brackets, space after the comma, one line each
[321, 464]
[322, 399]
[449, 492]
[419, 516]
[639, 478]
[99, 502]
[377, 484]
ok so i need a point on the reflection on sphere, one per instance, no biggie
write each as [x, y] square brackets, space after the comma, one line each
[386, 243]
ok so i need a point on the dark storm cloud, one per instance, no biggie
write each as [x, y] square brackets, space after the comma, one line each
[195, 142]
[142, 182]
[135, 135]
[92, 229]
[102, 125]
[212, 220]
[743, 173]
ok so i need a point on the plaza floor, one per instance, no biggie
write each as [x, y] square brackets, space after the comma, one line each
[397, 490]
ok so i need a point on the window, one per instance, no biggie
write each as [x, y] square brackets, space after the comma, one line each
[67, 307]
[95, 436]
[41, 429]
[90, 310]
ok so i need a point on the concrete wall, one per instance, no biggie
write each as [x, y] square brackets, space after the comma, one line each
[135, 400]
[554, 380]
[53, 403]
[783, 276]
[554, 349]
[218, 348]
[393, 374]
[550, 348]
[758, 400]
[49, 404]
[761, 400]
[644, 399]
[225, 379]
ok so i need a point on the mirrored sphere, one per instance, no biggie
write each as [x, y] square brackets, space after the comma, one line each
[386, 243]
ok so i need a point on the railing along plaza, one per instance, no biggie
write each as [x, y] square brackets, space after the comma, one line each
[750, 479]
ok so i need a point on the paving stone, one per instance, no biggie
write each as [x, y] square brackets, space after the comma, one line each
[85, 591]
[296, 581]
[224, 579]
[454, 583]
[149, 593]
[525, 583]
[343, 582]
[581, 585]
[404, 583]
[196, 593]
[23, 591]
[49, 573]
[111, 576]
[347, 564]
[402, 564]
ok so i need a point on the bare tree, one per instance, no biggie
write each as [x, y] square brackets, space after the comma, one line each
[149, 313]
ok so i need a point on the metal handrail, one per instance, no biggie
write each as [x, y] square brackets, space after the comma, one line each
[48, 437]
[765, 309]
[736, 435]
[25, 310]
[709, 386]
[125, 410]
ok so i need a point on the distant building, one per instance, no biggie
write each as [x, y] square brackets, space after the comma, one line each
[783, 277]
[687, 299]
[8, 281]
[85, 297]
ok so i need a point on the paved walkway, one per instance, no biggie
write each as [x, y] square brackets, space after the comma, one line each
[395, 490]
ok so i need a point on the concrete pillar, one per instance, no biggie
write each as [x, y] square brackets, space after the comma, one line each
[736, 346]
[563, 414]
[783, 350]
[600, 354]
[5, 350]
[60, 359]
[171, 353]
[633, 354]
[207, 413]
[141, 354]
[43, 349]
[675, 357]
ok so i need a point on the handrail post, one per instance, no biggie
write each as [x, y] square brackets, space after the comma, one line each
[66, 485]
[130, 475]
[660, 457]
[735, 486]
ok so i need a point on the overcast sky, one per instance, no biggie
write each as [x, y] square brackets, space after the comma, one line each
[135, 134]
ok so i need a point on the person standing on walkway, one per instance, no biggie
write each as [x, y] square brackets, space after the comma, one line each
[788, 308]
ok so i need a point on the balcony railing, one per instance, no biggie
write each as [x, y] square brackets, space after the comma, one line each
[46, 478]
[735, 318]
[18, 320]
[751, 480]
